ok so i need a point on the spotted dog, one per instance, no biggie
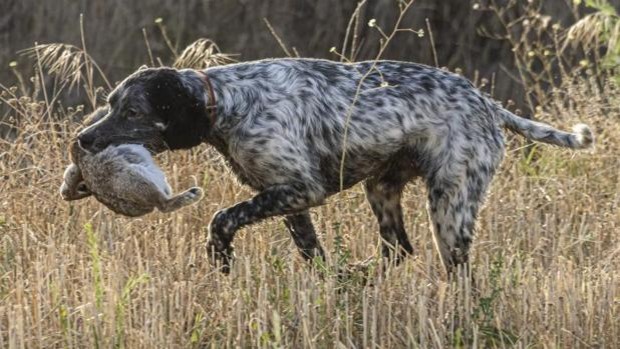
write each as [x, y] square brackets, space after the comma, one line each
[281, 126]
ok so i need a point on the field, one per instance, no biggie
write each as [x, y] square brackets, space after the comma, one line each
[546, 257]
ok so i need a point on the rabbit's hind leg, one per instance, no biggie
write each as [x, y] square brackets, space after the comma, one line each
[185, 198]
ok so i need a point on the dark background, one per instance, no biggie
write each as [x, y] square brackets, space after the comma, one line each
[115, 39]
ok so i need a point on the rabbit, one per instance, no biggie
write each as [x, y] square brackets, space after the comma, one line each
[124, 178]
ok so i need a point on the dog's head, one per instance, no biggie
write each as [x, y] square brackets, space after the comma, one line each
[160, 108]
[75, 150]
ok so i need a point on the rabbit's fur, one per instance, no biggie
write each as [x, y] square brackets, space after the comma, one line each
[124, 178]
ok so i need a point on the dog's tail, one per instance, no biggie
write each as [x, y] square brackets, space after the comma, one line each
[581, 137]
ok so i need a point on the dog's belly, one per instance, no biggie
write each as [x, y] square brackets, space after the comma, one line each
[360, 166]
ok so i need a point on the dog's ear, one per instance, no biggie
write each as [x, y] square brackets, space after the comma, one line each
[179, 102]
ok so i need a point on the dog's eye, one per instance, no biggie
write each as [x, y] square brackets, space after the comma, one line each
[133, 113]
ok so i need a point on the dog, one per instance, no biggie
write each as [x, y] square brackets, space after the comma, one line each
[122, 177]
[300, 130]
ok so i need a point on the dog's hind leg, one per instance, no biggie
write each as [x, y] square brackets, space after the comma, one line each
[384, 196]
[302, 230]
[185, 198]
[455, 197]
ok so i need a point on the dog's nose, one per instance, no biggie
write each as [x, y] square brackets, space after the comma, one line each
[86, 141]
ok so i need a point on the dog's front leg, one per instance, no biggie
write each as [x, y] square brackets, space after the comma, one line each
[282, 199]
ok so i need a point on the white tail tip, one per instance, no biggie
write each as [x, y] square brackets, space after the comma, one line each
[584, 135]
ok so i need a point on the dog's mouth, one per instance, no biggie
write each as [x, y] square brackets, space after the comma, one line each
[113, 132]
[154, 146]
[83, 148]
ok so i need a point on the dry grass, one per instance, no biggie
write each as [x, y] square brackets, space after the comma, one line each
[546, 259]
[201, 54]
[546, 255]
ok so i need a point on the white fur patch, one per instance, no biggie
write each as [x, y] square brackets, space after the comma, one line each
[584, 135]
[161, 126]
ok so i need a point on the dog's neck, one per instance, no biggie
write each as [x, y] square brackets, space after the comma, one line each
[227, 104]
[216, 135]
[211, 104]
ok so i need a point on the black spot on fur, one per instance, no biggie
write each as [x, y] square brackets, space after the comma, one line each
[427, 83]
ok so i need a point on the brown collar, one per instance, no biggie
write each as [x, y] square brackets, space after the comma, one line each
[211, 104]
